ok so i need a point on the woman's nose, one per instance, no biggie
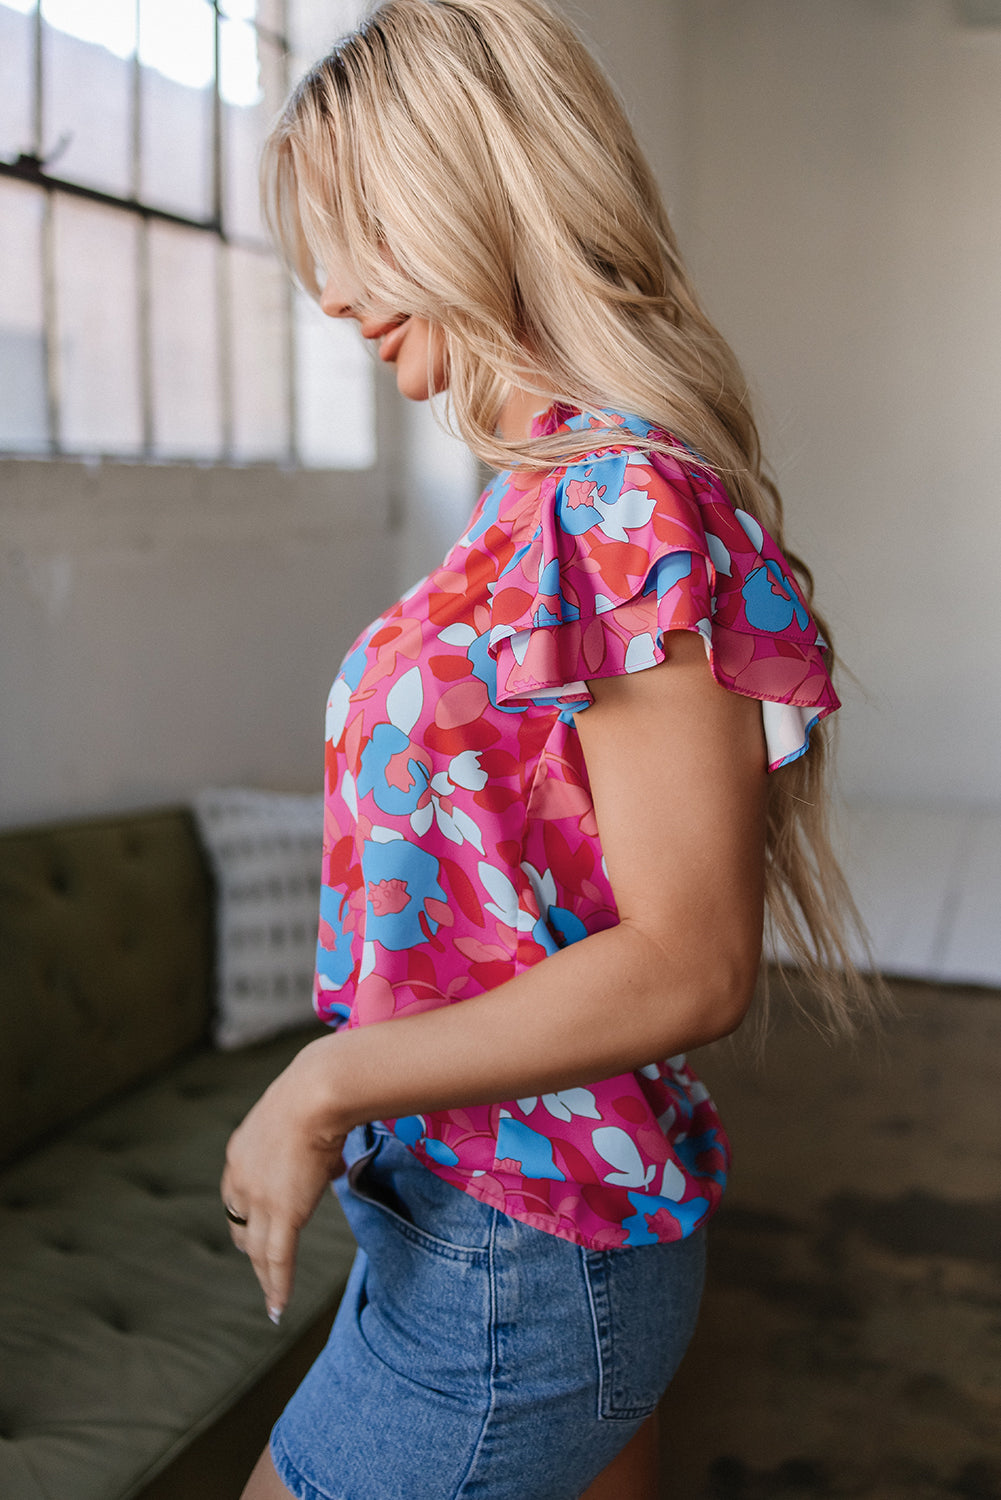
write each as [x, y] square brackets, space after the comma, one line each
[334, 303]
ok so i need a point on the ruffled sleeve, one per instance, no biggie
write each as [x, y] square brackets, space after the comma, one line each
[630, 545]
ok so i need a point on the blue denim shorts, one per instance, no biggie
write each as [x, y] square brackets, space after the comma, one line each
[475, 1356]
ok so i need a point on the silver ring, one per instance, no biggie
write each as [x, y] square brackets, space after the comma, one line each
[233, 1216]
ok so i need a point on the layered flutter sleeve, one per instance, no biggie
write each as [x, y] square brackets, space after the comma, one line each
[630, 545]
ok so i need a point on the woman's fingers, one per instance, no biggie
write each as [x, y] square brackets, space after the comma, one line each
[277, 1272]
[277, 1169]
[271, 1247]
[274, 1215]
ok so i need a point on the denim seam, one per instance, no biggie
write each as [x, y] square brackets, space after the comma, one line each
[585, 1271]
[494, 1358]
[600, 1297]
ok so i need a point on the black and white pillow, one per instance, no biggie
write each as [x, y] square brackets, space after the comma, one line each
[264, 849]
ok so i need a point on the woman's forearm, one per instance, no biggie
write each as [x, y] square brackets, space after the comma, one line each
[611, 1003]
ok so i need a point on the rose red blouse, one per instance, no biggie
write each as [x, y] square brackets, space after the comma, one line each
[460, 842]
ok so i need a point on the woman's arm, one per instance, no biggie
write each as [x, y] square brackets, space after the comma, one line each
[677, 771]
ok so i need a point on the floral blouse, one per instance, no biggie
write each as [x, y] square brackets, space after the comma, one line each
[460, 843]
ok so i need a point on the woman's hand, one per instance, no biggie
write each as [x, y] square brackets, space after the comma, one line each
[278, 1164]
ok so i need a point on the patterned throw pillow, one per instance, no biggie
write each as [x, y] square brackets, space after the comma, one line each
[264, 849]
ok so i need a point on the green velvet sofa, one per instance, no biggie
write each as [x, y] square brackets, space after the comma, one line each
[136, 1358]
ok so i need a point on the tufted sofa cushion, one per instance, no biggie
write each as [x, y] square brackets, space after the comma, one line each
[128, 1323]
[105, 963]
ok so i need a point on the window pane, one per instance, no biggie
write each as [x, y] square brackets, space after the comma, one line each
[17, 71]
[259, 360]
[252, 82]
[177, 51]
[87, 104]
[177, 38]
[335, 392]
[266, 13]
[23, 419]
[99, 373]
[184, 333]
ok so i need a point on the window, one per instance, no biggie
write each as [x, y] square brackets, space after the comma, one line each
[142, 313]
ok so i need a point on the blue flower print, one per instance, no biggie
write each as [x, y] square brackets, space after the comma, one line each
[492, 497]
[565, 613]
[770, 601]
[558, 929]
[666, 572]
[637, 1225]
[399, 878]
[485, 669]
[692, 1147]
[624, 421]
[551, 587]
[517, 556]
[387, 742]
[533, 1152]
[410, 1130]
[353, 665]
[583, 485]
[334, 964]
[549, 578]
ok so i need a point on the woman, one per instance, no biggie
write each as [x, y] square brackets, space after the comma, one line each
[551, 829]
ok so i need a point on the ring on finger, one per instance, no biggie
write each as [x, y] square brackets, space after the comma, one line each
[233, 1216]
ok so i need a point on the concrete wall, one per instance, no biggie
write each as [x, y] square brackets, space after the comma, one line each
[167, 627]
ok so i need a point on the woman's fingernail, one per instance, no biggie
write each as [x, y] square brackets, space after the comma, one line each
[275, 1314]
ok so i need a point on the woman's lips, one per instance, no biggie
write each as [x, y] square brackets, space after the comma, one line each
[390, 345]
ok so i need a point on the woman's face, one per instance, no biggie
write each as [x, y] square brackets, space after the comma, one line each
[405, 342]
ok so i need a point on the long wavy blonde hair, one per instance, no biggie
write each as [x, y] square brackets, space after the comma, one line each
[470, 163]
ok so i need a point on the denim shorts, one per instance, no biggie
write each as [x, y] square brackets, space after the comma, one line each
[475, 1356]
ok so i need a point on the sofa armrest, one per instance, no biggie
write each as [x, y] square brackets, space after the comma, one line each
[105, 963]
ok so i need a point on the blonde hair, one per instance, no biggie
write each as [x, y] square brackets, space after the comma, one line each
[471, 164]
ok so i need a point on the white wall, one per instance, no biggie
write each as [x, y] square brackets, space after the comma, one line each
[438, 482]
[167, 627]
[642, 46]
[842, 214]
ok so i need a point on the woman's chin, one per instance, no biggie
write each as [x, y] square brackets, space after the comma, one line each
[413, 387]
[413, 382]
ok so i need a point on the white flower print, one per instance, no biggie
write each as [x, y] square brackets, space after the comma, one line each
[621, 1152]
[337, 710]
[721, 559]
[629, 510]
[751, 529]
[570, 1102]
[405, 700]
[465, 770]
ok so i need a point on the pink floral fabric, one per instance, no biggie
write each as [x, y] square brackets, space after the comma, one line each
[460, 842]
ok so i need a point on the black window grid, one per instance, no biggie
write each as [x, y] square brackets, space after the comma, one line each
[33, 167]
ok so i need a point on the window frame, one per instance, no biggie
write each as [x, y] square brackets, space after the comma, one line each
[37, 172]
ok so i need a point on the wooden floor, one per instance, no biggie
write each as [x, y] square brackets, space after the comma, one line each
[850, 1340]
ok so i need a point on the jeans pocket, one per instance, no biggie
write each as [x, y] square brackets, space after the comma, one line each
[429, 1213]
[644, 1304]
